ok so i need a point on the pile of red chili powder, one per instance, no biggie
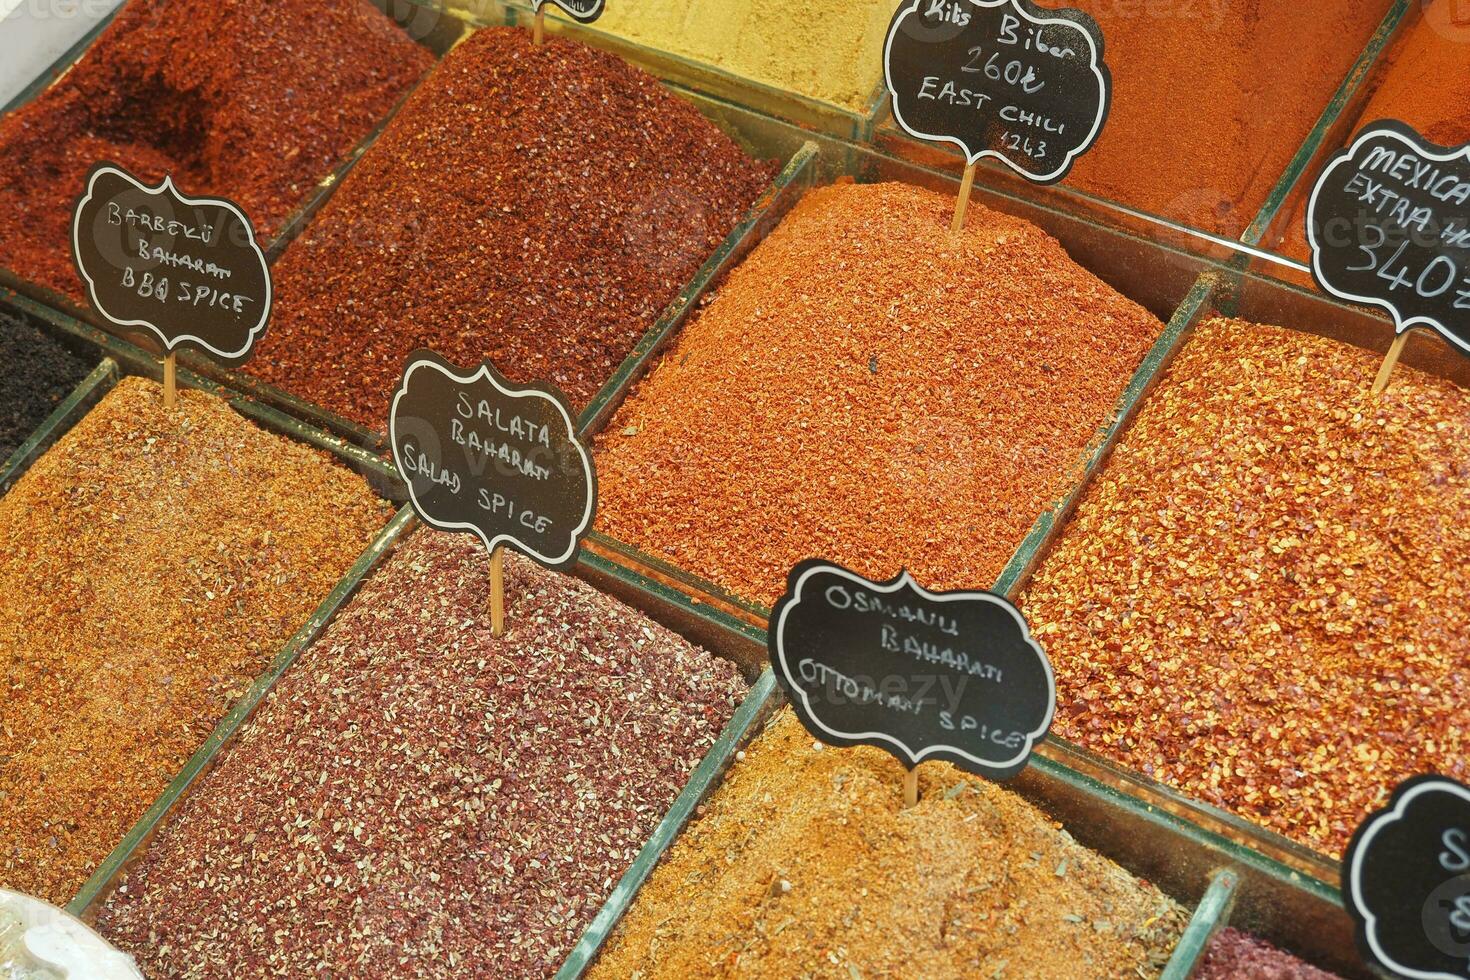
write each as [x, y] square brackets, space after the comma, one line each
[870, 388]
[253, 101]
[539, 206]
[1212, 99]
[421, 798]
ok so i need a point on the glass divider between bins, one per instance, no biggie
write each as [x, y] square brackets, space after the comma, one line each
[702, 782]
[1209, 917]
[86, 394]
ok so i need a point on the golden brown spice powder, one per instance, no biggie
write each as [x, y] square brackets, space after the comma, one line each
[805, 864]
[868, 387]
[154, 564]
[1264, 600]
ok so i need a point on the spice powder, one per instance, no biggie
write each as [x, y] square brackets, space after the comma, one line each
[1233, 954]
[1264, 598]
[870, 388]
[537, 206]
[803, 863]
[154, 564]
[420, 797]
[252, 101]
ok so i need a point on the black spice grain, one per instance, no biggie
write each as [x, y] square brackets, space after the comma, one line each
[539, 206]
[420, 798]
[36, 373]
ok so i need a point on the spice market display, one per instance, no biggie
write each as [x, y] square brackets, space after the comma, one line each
[264, 714]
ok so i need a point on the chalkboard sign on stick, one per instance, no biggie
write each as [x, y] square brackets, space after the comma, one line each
[501, 461]
[1389, 225]
[1406, 881]
[585, 11]
[183, 272]
[1002, 79]
[920, 674]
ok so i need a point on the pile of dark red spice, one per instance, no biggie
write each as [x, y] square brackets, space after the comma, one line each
[38, 373]
[419, 797]
[1234, 954]
[255, 102]
[539, 206]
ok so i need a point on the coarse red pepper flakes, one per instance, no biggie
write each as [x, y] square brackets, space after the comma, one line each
[870, 388]
[1264, 599]
[419, 797]
[253, 101]
[155, 562]
[536, 206]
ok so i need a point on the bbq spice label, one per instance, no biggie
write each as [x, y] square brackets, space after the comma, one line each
[1389, 225]
[486, 457]
[923, 675]
[1406, 881]
[185, 271]
[999, 78]
[585, 11]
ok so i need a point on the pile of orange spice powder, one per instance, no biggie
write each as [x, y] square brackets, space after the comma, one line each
[1264, 600]
[805, 864]
[155, 562]
[872, 389]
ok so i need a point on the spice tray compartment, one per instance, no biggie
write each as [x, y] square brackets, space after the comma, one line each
[755, 133]
[1094, 815]
[1306, 162]
[437, 36]
[826, 118]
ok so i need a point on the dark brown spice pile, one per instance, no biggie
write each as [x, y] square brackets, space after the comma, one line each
[1235, 955]
[38, 373]
[253, 101]
[421, 798]
[1264, 598]
[870, 388]
[154, 564]
[537, 206]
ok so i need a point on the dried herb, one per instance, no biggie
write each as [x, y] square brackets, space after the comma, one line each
[39, 373]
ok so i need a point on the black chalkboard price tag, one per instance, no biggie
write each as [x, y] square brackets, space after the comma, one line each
[1406, 881]
[585, 11]
[182, 271]
[501, 461]
[1389, 225]
[923, 675]
[1002, 79]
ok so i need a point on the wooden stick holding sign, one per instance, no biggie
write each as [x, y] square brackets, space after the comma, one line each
[183, 272]
[585, 11]
[1389, 361]
[1409, 260]
[920, 674]
[500, 461]
[970, 81]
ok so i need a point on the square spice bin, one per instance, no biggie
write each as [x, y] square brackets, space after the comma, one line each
[1193, 868]
[1186, 214]
[49, 379]
[1321, 930]
[821, 116]
[356, 479]
[432, 34]
[1164, 281]
[133, 853]
[755, 135]
[1419, 77]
